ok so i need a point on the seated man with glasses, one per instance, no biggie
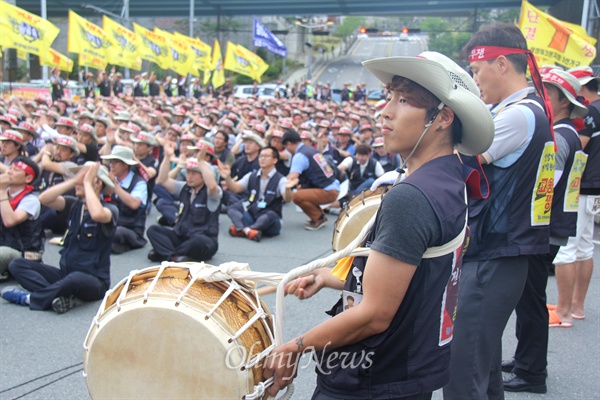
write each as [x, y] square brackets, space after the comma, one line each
[261, 212]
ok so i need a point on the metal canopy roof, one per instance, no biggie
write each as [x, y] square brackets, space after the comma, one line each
[206, 8]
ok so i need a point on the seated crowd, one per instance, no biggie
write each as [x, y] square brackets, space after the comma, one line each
[89, 171]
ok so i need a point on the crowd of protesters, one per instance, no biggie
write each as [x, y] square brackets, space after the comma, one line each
[191, 157]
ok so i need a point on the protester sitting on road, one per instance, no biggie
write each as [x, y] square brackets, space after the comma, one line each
[131, 194]
[362, 170]
[12, 147]
[87, 144]
[195, 234]
[316, 177]
[260, 213]
[84, 271]
[389, 162]
[22, 234]
[143, 147]
[56, 164]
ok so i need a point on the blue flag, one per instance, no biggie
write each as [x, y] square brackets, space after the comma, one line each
[265, 38]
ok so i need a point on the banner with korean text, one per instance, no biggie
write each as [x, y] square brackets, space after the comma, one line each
[54, 59]
[243, 61]
[89, 41]
[265, 38]
[125, 45]
[24, 31]
[181, 55]
[555, 40]
[202, 52]
[153, 47]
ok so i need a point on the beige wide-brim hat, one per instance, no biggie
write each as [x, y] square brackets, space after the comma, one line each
[121, 153]
[449, 83]
[144, 137]
[562, 80]
[255, 138]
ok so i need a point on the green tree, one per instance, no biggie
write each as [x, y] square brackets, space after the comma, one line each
[348, 25]
[444, 38]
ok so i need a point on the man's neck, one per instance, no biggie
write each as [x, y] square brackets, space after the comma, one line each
[266, 171]
[13, 189]
[251, 157]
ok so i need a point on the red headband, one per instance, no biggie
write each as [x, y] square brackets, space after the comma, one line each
[28, 170]
[487, 53]
[554, 78]
[581, 73]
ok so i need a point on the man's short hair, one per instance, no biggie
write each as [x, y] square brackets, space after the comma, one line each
[363, 149]
[290, 136]
[502, 35]
[274, 151]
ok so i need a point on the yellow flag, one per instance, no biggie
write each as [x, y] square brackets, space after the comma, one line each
[54, 59]
[181, 55]
[125, 45]
[201, 51]
[24, 31]
[547, 37]
[89, 40]
[243, 61]
[153, 47]
[218, 74]
[22, 55]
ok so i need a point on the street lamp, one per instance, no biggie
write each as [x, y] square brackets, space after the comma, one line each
[310, 29]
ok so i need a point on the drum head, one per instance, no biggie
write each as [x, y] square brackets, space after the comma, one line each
[158, 350]
[154, 353]
[355, 216]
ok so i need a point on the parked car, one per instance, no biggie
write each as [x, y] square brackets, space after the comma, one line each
[375, 95]
[266, 90]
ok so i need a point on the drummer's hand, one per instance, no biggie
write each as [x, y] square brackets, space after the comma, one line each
[305, 286]
[282, 366]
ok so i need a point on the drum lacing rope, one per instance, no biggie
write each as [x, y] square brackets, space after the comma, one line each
[125, 286]
[154, 282]
[185, 290]
[259, 391]
[259, 314]
[259, 357]
[233, 285]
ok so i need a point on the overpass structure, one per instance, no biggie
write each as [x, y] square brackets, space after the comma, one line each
[207, 8]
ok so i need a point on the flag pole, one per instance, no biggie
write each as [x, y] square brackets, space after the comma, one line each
[44, 68]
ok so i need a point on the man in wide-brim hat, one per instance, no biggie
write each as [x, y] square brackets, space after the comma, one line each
[399, 322]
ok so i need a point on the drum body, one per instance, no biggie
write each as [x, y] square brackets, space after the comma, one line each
[162, 334]
[355, 216]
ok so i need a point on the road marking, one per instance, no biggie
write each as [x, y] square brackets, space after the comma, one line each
[388, 50]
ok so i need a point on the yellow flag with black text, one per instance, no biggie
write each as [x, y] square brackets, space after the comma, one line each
[125, 45]
[25, 31]
[89, 40]
[181, 55]
[218, 73]
[243, 61]
[54, 59]
[153, 47]
[549, 38]
[202, 51]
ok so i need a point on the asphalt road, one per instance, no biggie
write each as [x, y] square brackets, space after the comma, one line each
[349, 68]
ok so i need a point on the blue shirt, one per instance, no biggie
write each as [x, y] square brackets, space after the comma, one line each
[140, 190]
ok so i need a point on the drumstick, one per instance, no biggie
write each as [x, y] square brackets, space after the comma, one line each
[266, 290]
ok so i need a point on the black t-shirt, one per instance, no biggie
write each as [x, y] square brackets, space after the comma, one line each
[409, 237]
